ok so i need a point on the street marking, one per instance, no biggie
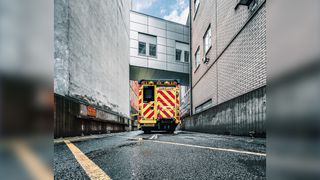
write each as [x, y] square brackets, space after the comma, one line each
[212, 148]
[31, 162]
[154, 137]
[92, 170]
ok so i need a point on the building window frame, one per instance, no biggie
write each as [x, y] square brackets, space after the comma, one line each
[178, 51]
[186, 56]
[144, 52]
[207, 40]
[148, 94]
[196, 4]
[197, 58]
[155, 50]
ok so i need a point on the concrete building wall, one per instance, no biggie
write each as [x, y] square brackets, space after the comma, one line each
[169, 36]
[91, 80]
[92, 52]
[237, 58]
[61, 46]
[243, 115]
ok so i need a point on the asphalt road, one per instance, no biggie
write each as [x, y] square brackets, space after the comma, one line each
[183, 155]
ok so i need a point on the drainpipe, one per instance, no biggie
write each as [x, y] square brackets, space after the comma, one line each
[191, 55]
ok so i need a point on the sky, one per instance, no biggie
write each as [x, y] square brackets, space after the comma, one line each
[172, 10]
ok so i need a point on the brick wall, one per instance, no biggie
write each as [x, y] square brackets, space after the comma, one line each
[237, 62]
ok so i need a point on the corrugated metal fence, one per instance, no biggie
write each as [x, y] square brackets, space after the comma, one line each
[70, 119]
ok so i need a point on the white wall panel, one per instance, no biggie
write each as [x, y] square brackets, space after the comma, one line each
[170, 58]
[174, 27]
[157, 64]
[157, 23]
[156, 31]
[175, 36]
[133, 43]
[170, 51]
[174, 67]
[138, 61]
[139, 18]
[138, 27]
[161, 56]
[162, 41]
[133, 35]
[186, 68]
[133, 52]
[171, 43]
[162, 49]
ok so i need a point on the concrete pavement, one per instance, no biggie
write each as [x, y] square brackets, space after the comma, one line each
[183, 155]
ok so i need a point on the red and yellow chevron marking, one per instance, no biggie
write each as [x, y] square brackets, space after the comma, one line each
[147, 112]
[166, 103]
[166, 97]
[140, 96]
[140, 104]
[165, 111]
[178, 104]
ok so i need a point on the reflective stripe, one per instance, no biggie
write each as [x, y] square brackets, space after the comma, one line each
[164, 111]
[165, 98]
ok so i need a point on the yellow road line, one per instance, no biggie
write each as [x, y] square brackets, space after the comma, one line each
[212, 148]
[37, 169]
[92, 170]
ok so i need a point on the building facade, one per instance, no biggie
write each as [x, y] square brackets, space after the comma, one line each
[134, 103]
[228, 66]
[91, 78]
[159, 49]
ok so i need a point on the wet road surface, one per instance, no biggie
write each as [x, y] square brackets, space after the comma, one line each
[183, 155]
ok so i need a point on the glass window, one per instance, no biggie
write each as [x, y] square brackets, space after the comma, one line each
[196, 5]
[178, 54]
[142, 48]
[197, 57]
[207, 40]
[148, 94]
[152, 50]
[186, 56]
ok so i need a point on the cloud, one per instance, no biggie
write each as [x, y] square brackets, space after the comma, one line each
[163, 11]
[139, 5]
[181, 3]
[179, 12]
